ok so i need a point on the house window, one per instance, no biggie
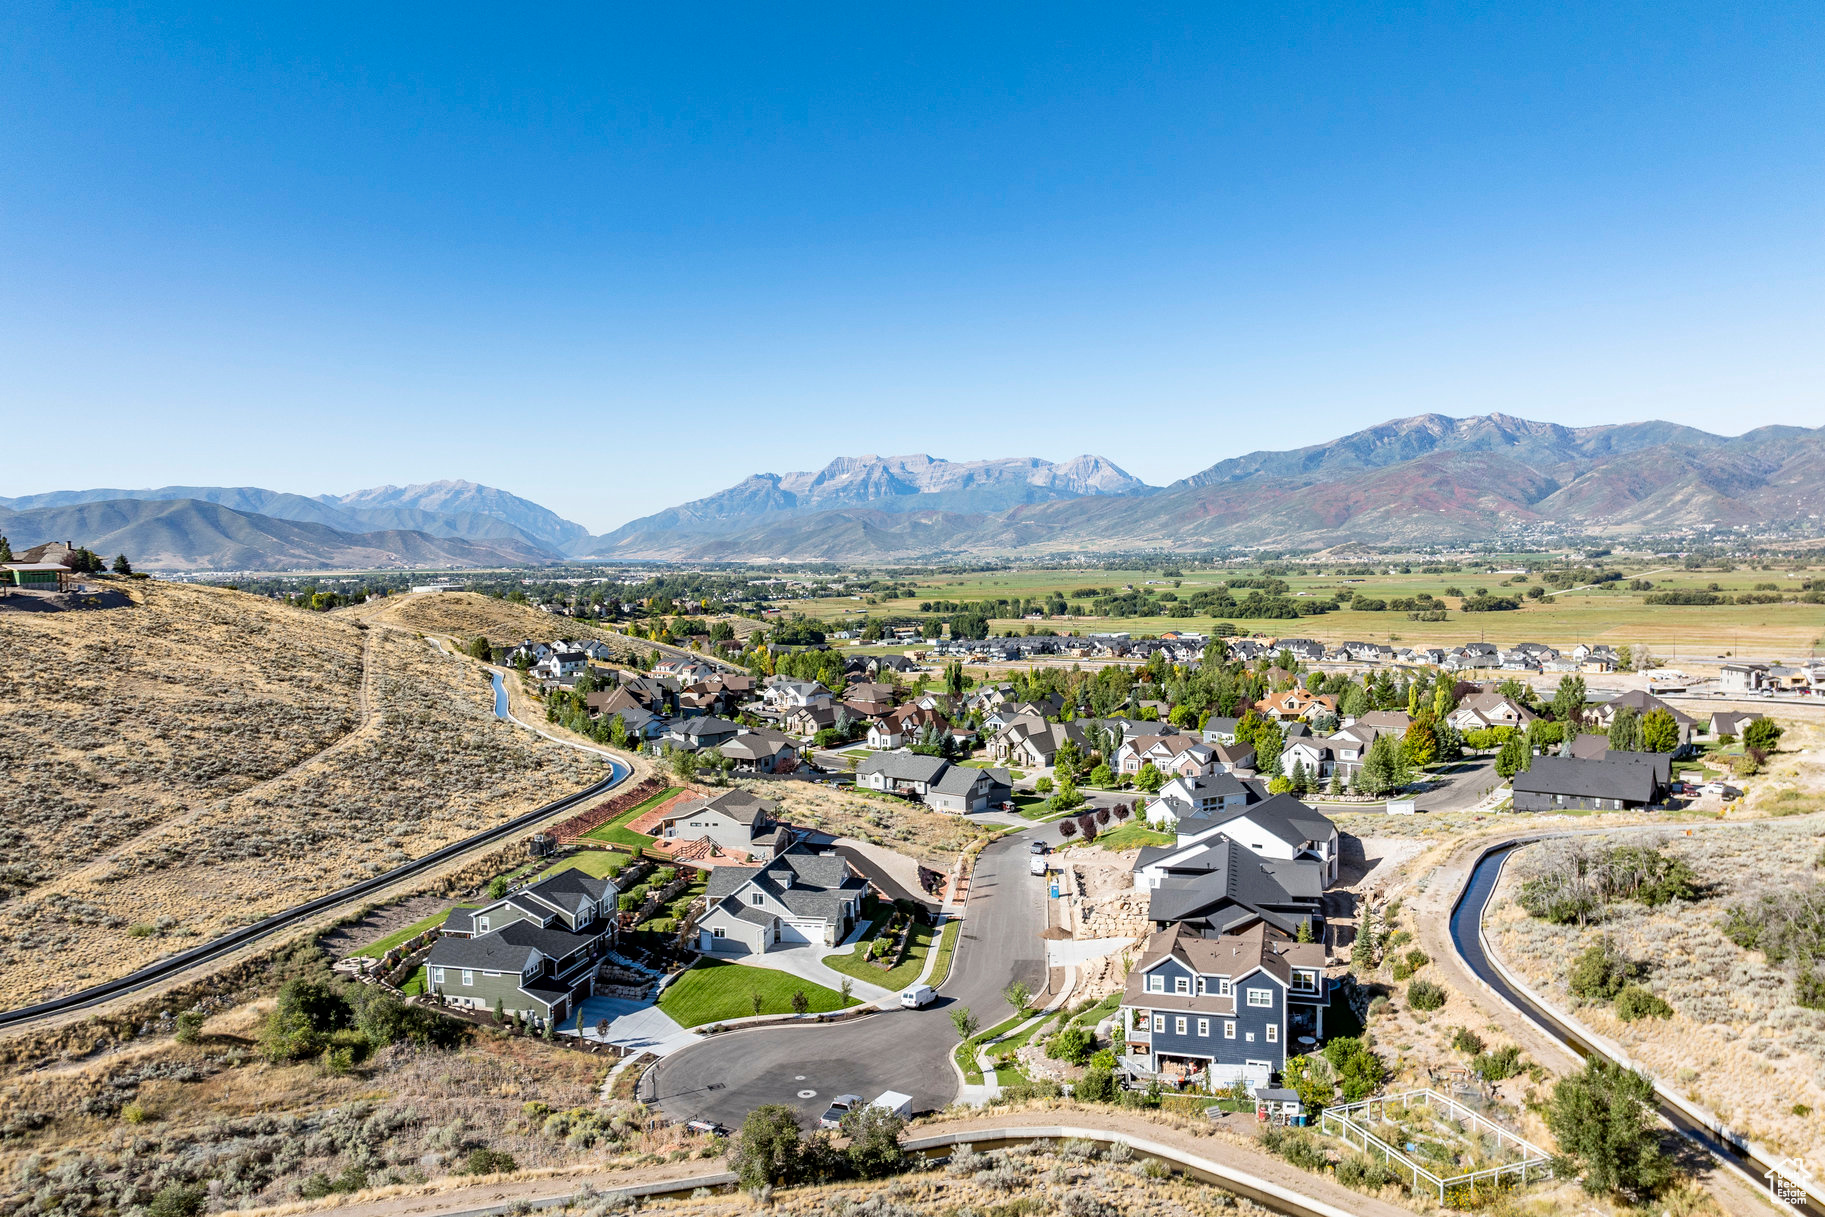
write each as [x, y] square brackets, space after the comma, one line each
[716, 933]
[1229, 1028]
[1204, 1028]
[437, 976]
[1159, 1023]
[755, 898]
[1273, 1033]
[1261, 997]
[468, 978]
[1181, 985]
[1305, 982]
[1224, 989]
[1203, 987]
[1178, 1025]
[481, 923]
[1156, 984]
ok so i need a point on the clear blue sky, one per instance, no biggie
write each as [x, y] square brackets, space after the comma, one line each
[611, 260]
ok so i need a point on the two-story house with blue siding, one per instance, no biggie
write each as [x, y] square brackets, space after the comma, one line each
[1213, 1011]
[533, 953]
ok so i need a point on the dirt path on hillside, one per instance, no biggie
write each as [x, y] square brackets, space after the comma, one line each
[366, 724]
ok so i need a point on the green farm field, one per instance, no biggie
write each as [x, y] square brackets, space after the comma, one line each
[1608, 613]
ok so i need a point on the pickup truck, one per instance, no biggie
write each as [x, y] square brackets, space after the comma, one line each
[842, 1106]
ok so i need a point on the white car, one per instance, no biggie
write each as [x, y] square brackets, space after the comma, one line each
[1039, 865]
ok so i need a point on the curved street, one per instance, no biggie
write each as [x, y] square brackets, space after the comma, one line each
[726, 1076]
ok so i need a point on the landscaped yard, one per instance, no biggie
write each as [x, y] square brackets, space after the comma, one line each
[616, 832]
[947, 946]
[399, 937]
[1133, 835]
[596, 863]
[717, 991]
[909, 969]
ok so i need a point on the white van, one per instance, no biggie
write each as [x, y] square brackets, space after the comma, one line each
[894, 1101]
[917, 996]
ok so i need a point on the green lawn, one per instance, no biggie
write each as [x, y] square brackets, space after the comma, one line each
[852, 964]
[716, 992]
[965, 1053]
[596, 863]
[400, 937]
[1133, 835]
[947, 946]
[415, 987]
[616, 831]
[1033, 807]
[981, 763]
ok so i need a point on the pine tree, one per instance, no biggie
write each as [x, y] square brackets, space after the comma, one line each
[6, 549]
[121, 565]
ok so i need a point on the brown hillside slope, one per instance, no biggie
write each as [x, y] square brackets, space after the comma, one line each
[205, 758]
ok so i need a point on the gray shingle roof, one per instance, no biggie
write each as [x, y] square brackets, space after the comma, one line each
[903, 766]
[1576, 777]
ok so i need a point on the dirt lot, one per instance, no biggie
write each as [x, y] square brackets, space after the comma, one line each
[466, 614]
[1737, 1042]
[209, 757]
[930, 838]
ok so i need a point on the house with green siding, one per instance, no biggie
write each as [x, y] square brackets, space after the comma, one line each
[534, 952]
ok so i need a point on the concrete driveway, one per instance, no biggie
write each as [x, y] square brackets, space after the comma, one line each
[726, 1076]
[636, 1025]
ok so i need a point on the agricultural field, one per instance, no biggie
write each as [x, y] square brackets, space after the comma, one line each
[1608, 613]
[208, 757]
[1735, 1038]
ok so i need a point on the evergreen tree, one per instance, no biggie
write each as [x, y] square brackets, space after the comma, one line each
[1625, 730]
[6, 549]
[121, 565]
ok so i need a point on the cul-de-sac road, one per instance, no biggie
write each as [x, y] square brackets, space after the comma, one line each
[726, 1076]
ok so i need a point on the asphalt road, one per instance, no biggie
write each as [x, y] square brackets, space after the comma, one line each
[726, 1076]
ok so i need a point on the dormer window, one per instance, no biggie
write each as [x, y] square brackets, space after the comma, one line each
[481, 923]
[1181, 985]
[755, 898]
[1156, 984]
[1223, 987]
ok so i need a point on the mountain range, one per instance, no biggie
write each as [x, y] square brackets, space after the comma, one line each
[1416, 480]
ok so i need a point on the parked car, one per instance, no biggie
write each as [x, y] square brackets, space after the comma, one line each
[833, 1115]
[1039, 865]
[708, 1128]
[917, 996]
[1038, 847]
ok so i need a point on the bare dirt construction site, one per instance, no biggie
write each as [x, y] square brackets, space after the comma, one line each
[931, 838]
[207, 757]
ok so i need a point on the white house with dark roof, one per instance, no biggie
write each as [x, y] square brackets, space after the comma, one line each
[933, 780]
[733, 820]
[1185, 798]
[1280, 828]
[798, 897]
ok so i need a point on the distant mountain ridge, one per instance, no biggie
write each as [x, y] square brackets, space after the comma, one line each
[194, 534]
[1425, 479]
[1429, 478]
[449, 509]
[891, 484]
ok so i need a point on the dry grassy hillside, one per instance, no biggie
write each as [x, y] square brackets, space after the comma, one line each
[208, 757]
[466, 614]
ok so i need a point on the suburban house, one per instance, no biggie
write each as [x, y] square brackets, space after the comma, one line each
[784, 694]
[797, 897]
[1180, 755]
[560, 665]
[1308, 650]
[1219, 730]
[734, 820]
[942, 786]
[1563, 783]
[1731, 722]
[1280, 827]
[705, 732]
[1219, 885]
[905, 726]
[1031, 742]
[866, 699]
[1644, 704]
[1480, 711]
[1207, 794]
[762, 751]
[685, 671]
[807, 721]
[1216, 1010]
[1296, 704]
[532, 953]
